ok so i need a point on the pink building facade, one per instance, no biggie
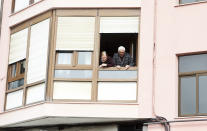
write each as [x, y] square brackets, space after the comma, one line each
[49, 65]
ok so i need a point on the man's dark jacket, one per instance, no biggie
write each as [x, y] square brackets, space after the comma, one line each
[126, 60]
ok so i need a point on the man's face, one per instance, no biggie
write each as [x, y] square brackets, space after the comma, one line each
[121, 53]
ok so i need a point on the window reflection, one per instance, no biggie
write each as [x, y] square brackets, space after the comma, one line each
[84, 58]
[16, 84]
[64, 58]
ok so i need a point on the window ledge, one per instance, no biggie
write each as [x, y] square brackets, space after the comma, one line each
[190, 117]
[14, 13]
[193, 3]
[114, 68]
[89, 102]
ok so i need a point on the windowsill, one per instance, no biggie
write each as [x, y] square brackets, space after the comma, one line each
[91, 102]
[189, 117]
[116, 69]
[193, 3]
[14, 13]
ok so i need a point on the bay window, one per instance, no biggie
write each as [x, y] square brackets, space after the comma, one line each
[28, 62]
[56, 57]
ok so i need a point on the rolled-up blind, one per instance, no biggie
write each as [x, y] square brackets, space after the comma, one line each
[75, 33]
[18, 46]
[119, 24]
[38, 51]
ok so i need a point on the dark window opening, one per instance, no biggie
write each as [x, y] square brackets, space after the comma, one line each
[111, 41]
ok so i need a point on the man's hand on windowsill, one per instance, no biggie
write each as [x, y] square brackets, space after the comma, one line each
[127, 67]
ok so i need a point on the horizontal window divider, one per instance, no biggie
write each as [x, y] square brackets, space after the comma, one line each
[37, 102]
[76, 12]
[192, 73]
[117, 80]
[117, 101]
[16, 78]
[31, 22]
[71, 100]
[71, 80]
[191, 3]
[116, 69]
[187, 115]
[64, 67]
[35, 83]
[15, 89]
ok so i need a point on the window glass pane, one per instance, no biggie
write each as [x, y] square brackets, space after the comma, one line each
[84, 58]
[193, 63]
[22, 67]
[104, 74]
[20, 4]
[73, 74]
[64, 58]
[16, 84]
[13, 70]
[188, 1]
[202, 94]
[188, 95]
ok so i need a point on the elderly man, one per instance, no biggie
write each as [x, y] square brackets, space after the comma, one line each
[122, 59]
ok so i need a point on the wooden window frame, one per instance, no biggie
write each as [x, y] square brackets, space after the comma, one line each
[97, 13]
[197, 1]
[52, 53]
[28, 24]
[74, 62]
[196, 74]
[18, 76]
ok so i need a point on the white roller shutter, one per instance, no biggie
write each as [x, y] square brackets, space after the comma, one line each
[18, 46]
[14, 99]
[119, 24]
[123, 90]
[75, 33]
[72, 90]
[35, 93]
[38, 52]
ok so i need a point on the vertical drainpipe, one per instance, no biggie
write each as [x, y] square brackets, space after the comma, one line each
[154, 58]
[158, 118]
